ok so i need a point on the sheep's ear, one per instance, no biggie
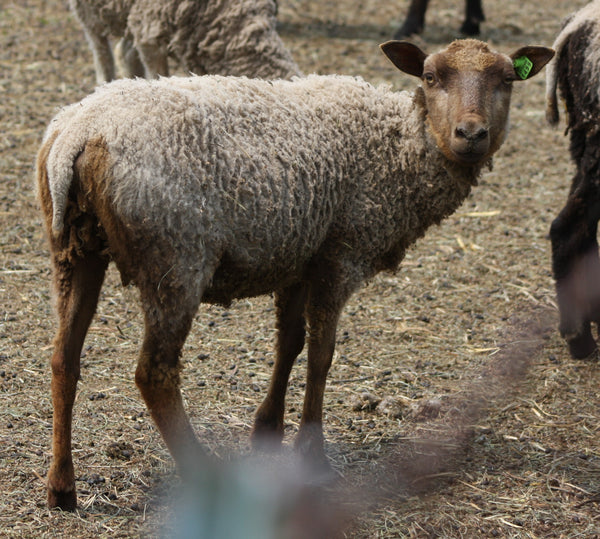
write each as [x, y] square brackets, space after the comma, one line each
[529, 60]
[407, 57]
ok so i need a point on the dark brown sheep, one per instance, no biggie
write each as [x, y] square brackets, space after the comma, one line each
[575, 262]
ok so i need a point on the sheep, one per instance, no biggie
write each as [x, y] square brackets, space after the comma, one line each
[208, 189]
[575, 263]
[214, 36]
[415, 18]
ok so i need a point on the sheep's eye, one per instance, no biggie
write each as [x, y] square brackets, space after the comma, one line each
[429, 78]
[509, 79]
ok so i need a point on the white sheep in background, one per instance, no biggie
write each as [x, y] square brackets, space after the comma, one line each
[207, 189]
[227, 37]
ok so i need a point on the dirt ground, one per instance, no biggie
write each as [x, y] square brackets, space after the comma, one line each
[486, 402]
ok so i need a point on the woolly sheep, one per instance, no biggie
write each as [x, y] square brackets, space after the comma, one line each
[415, 18]
[214, 36]
[575, 263]
[207, 189]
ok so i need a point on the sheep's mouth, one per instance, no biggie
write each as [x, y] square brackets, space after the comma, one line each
[469, 157]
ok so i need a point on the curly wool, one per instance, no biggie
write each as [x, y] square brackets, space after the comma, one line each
[212, 36]
[232, 187]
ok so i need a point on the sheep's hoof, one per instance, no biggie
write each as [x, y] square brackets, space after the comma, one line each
[309, 446]
[67, 501]
[583, 345]
[268, 441]
[409, 28]
[581, 341]
[266, 435]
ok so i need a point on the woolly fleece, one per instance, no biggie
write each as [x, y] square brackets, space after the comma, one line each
[249, 183]
[212, 36]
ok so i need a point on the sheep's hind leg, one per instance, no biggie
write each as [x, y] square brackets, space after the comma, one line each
[78, 286]
[157, 377]
[268, 423]
[576, 268]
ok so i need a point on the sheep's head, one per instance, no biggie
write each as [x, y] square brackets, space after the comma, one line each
[467, 89]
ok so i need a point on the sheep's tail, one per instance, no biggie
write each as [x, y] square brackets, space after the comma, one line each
[55, 171]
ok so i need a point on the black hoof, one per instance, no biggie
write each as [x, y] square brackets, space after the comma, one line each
[470, 28]
[583, 345]
[408, 29]
[67, 501]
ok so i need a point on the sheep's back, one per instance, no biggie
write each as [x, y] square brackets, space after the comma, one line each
[246, 177]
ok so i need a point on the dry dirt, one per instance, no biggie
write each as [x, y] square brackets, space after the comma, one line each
[462, 339]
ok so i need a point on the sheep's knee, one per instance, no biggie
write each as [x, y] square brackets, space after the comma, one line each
[155, 379]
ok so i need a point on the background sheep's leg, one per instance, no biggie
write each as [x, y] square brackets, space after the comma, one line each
[103, 57]
[128, 59]
[415, 19]
[576, 266]
[78, 286]
[154, 58]
[268, 423]
[473, 16]
[157, 377]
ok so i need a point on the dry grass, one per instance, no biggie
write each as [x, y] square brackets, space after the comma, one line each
[497, 430]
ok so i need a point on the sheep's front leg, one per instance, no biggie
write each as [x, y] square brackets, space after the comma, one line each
[128, 58]
[157, 377]
[324, 305]
[268, 423]
[78, 285]
[473, 16]
[415, 19]
[154, 58]
[576, 268]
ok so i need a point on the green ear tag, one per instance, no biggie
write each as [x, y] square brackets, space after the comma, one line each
[523, 66]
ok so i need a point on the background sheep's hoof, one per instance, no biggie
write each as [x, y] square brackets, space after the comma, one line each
[67, 501]
[470, 28]
[409, 28]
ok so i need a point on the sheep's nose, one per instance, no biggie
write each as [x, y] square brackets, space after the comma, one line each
[471, 132]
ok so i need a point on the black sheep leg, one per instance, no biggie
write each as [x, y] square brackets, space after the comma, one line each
[576, 265]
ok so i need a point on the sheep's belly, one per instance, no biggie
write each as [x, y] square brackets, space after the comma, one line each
[233, 281]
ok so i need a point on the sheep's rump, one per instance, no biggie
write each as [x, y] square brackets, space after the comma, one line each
[577, 59]
[244, 181]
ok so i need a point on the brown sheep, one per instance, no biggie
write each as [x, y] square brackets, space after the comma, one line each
[207, 189]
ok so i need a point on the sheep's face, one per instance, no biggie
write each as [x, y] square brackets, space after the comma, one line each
[467, 90]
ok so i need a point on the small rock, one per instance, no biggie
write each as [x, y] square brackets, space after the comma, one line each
[430, 409]
[392, 407]
[364, 402]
